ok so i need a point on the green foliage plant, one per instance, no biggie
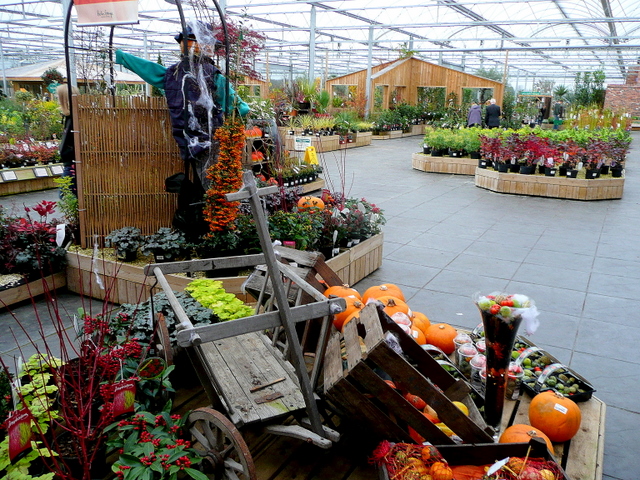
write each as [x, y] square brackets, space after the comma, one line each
[300, 227]
[68, 203]
[124, 240]
[171, 244]
[212, 295]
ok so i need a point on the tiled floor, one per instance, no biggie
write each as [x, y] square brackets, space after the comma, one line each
[446, 239]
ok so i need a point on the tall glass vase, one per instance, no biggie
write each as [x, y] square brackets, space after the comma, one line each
[500, 335]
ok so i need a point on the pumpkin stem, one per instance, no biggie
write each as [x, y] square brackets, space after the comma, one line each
[391, 303]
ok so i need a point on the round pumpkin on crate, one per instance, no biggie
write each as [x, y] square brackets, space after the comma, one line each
[522, 433]
[441, 335]
[386, 289]
[556, 415]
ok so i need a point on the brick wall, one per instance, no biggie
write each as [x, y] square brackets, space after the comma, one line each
[623, 97]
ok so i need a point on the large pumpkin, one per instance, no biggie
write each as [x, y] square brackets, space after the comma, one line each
[441, 335]
[420, 321]
[353, 305]
[386, 289]
[394, 305]
[309, 202]
[341, 291]
[521, 433]
[556, 415]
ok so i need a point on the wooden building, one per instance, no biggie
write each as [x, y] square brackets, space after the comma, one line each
[256, 87]
[401, 81]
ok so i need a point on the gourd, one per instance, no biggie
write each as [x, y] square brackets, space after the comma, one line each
[441, 335]
[394, 305]
[521, 433]
[309, 202]
[441, 471]
[420, 321]
[343, 290]
[354, 305]
[556, 415]
[386, 289]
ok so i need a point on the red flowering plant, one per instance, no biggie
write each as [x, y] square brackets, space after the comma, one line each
[571, 153]
[150, 447]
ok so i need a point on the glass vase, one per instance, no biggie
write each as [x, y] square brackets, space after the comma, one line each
[500, 335]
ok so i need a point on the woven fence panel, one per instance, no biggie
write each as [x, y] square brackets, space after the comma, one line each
[125, 151]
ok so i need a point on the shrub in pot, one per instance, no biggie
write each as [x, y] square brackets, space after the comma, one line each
[126, 242]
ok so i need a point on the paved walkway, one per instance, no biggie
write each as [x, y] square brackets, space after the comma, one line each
[446, 239]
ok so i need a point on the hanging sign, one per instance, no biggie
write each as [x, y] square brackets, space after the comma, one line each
[106, 12]
[310, 156]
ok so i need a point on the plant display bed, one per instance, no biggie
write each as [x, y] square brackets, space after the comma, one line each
[415, 130]
[124, 283]
[388, 135]
[554, 187]
[317, 184]
[23, 292]
[321, 144]
[451, 165]
[28, 179]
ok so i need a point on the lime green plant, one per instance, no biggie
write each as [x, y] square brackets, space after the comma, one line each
[211, 294]
[68, 203]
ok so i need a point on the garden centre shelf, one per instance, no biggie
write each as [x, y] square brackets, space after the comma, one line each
[29, 179]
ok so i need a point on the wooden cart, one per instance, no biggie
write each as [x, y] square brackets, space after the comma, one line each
[251, 376]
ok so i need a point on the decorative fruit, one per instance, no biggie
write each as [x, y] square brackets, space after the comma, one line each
[516, 464]
[431, 414]
[341, 291]
[530, 473]
[418, 336]
[521, 433]
[394, 305]
[416, 401]
[353, 315]
[309, 202]
[556, 415]
[353, 305]
[385, 289]
[441, 471]
[441, 335]
[462, 407]
[547, 474]
[417, 466]
[428, 453]
[446, 430]
[420, 321]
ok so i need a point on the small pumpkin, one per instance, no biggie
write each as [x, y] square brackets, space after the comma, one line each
[428, 453]
[343, 290]
[353, 305]
[386, 289]
[441, 471]
[521, 433]
[556, 415]
[309, 202]
[516, 464]
[394, 305]
[353, 315]
[547, 474]
[416, 401]
[441, 335]
[431, 414]
[418, 336]
[420, 321]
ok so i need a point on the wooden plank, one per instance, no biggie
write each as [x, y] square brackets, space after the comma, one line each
[32, 289]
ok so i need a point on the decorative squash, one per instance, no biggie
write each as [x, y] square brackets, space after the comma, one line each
[556, 415]
[431, 414]
[353, 315]
[394, 305]
[386, 289]
[343, 290]
[354, 305]
[418, 336]
[521, 433]
[309, 202]
[547, 474]
[441, 471]
[416, 401]
[420, 321]
[516, 464]
[428, 453]
[441, 335]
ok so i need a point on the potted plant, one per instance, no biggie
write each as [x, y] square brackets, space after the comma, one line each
[472, 142]
[126, 242]
[165, 245]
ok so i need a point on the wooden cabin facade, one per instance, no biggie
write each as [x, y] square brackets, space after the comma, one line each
[256, 87]
[400, 80]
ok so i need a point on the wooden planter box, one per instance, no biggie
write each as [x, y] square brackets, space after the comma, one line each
[555, 187]
[125, 283]
[358, 389]
[321, 144]
[388, 135]
[415, 130]
[451, 165]
[27, 181]
[29, 290]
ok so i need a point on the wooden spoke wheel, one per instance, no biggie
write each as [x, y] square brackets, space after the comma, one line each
[161, 339]
[224, 451]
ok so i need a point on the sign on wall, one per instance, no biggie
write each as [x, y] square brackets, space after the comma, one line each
[106, 12]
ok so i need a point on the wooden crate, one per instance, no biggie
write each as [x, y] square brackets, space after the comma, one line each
[555, 187]
[388, 135]
[361, 393]
[451, 165]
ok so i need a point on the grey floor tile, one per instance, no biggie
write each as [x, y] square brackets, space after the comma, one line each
[430, 257]
[622, 340]
[461, 283]
[441, 242]
[551, 299]
[552, 276]
[615, 285]
[620, 439]
[616, 310]
[483, 265]
[458, 310]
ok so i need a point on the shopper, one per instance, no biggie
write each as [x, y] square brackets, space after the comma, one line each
[558, 114]
[492, 114]
[474, 118]
[67, 148]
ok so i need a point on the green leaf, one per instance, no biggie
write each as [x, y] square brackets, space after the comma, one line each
[197, 475]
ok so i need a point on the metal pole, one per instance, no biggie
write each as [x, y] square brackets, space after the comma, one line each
[312, 44]
[368, 93]
[147, 87]
[4, 76]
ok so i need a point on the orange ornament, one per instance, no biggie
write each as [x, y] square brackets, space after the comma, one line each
[441, 335]
[556, 415]
[418, 336]
[352, 316]
[309, 202]
[341, 291]
[521, 433]
[386, 289]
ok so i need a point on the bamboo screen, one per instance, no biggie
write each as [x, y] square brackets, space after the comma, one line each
[124, 152]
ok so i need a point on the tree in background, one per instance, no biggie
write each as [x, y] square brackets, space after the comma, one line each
[155, 91]
[589, 89]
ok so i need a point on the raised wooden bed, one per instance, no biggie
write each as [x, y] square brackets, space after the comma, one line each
[125, 283]
[451, 165]
[321, 144]
[555, 187]
[415, 130]
[28, 179]
[29, 290]
[388, 135]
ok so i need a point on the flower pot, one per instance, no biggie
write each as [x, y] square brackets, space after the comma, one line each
[572, 173]
[126, 255]
[482, 163]
[616, 172]
[562, 171]
[436, 153]
[542, 169]
[502, 167]
[592, 173]
[426, 150]
[550, 171]
[474, 155]
[527, 169]
[514, 167]
[604, 170]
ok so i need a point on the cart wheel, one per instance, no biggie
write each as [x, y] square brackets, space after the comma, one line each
[161, 339]
[224, 451]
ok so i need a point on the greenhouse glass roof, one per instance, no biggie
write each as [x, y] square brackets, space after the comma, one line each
[525, 40]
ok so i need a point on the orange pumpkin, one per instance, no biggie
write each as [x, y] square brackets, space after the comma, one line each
[354, 305]
[394, 305]
[309, 202]
[341, 291]
[418, 336]
[556, 415]
[355, 314]
[441, 335]
[420, 321]
[441, 471]
[415, 400]
[521, 433]
[386, 289]
[428, 453]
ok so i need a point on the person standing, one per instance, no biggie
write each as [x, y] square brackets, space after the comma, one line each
[474, 117]
[67, 148]
[558, 114]
[492, 114]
